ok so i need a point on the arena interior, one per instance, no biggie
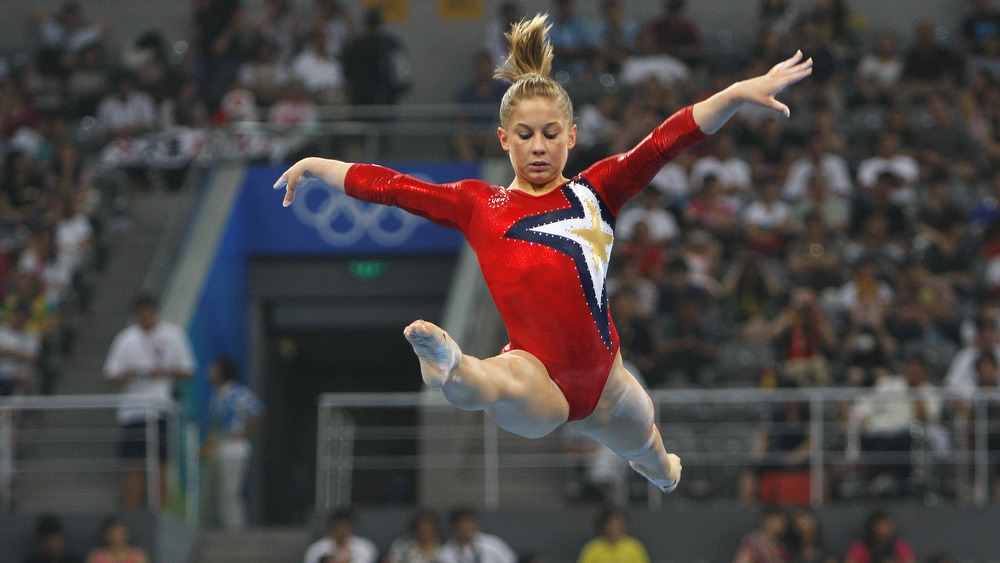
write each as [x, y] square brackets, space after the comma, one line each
[812, 302]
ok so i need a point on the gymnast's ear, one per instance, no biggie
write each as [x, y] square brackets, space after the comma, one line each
[504, 139]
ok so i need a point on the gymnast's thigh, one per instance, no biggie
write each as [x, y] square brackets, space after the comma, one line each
[624, 413]
[530, 403]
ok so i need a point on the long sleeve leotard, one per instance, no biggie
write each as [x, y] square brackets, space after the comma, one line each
[544, 258]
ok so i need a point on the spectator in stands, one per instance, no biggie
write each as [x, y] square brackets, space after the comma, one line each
[675, 32]
[818, 159]
[62, 35]
[764, 544]
[879, 72]
[613, 542]
[661, 225]
[150, 62]
[147, 358]
[815, 255]
[336, 24]
[40, 259]
[929, 62]
[215, 47]
[126, 111]
[923, 306]
[803, 336]
[234, 415]
[687, 348]
[944, 141]
[752, 286]
[571, 39]
[475, 138]
[16, 110]
[878, 201]
[263, 74]
[293, 111]
[115, 548]
[51, 543]
[340, 543]
[25, 193]
[987, 378]
[494, 30]
[980, 25]
[278, 26]
[805, 539]
[468, 545]
[890, 157]
[322, 76]
[732, 171]
[87, 83]
[781, 444]
[635, 334]
[867, 348]
[423, 542]
[882, 423]
[880, 542]
[615, 34]
[26, 291]
[18, 351]
[184, 108]
[650, 63]
[710, 210]
[375, 65]
[767, 221]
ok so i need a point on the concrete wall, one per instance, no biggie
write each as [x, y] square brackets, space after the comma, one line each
[442, 51]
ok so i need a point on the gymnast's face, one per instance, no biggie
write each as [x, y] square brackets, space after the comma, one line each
[538, 138]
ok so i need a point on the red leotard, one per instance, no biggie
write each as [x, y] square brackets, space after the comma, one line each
[545, 257]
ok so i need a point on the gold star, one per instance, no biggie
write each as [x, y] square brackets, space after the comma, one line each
[598, 239]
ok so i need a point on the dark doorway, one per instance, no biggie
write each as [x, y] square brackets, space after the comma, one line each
[306, 364]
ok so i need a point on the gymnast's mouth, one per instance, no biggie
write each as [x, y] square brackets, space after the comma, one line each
[538, 165]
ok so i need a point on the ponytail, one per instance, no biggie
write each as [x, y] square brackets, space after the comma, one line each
[528, 67]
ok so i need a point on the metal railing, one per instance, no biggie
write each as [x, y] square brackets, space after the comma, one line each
[76, 436]
[712, 430]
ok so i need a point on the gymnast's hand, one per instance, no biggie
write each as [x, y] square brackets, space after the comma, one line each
[330, 171]
[673, 471]
[762, 89]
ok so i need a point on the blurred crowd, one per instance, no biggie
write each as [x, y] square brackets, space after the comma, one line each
[854, 245]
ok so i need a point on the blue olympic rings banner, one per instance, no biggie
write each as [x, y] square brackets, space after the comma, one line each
[324, 220]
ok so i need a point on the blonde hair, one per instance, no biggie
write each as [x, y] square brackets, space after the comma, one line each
[528, 66]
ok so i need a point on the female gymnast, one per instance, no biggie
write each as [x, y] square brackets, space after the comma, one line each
[543, 244]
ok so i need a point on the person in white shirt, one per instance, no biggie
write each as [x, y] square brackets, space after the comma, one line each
[732, 171]
[651, 63]
[468, 545]
[882, 422]
[321, 76]
[961, 379]
[891, 159]
[126, 111]
[18, 350]
[340, 545]
[818, 160]
[662, 225]
[147, 358]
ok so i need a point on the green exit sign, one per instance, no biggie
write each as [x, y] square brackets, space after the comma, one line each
[368, 269]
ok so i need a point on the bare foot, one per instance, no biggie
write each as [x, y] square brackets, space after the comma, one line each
[674, 474]
[439, 355]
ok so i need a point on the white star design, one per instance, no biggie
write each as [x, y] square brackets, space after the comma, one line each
[591, 233]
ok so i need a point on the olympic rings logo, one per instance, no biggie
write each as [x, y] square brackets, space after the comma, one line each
[342, 221]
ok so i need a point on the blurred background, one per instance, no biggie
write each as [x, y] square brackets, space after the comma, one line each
[813, 302]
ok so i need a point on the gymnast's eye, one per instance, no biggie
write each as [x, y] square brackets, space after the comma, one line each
[551, 135]
[524, 136]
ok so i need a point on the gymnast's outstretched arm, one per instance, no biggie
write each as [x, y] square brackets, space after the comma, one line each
[712, 113]
[333, 172]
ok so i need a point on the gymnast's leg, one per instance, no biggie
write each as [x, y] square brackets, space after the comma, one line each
[624, 422]
[514, 388]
